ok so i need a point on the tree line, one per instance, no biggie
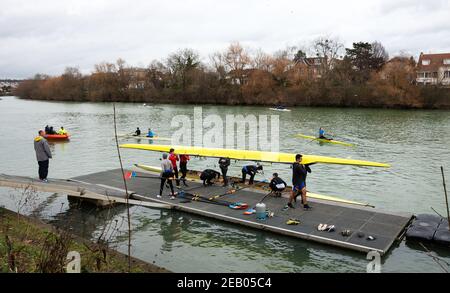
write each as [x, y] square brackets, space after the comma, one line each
[325, 74]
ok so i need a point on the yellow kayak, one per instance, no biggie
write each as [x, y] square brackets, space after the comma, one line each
[325, 140]
[310, 194]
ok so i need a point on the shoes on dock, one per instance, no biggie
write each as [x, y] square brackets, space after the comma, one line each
[326, 227]
[306, 207]
[158, 196]
[346, 232]
[44, 180]
[172, 197]
[293, 221]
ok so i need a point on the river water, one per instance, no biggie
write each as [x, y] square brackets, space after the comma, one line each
[415, 142]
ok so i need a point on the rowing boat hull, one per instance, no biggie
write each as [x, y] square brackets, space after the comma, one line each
[257, 156]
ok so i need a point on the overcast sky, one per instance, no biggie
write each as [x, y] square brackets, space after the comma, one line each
[46, 36]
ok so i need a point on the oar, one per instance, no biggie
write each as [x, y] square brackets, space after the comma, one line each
[233, 205]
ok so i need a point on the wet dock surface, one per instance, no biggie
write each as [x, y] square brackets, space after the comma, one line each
[383, 227]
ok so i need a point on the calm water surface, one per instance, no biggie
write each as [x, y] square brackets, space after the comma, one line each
[415, 143]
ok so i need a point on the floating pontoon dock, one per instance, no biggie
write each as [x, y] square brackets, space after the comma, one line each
[384, 227]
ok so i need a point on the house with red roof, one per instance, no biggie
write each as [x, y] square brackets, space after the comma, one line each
[433, 69]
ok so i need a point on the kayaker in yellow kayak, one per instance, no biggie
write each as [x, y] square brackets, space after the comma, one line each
[322, 134]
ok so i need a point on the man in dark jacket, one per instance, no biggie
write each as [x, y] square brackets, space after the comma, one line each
[223, 164]
[277, 185]
[208, 175]
[43, 154]
[250, 170]
[299, 172]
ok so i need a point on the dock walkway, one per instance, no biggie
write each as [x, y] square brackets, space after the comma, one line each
[384, 227]
[108, 187]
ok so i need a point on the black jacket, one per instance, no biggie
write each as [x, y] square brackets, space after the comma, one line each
[299, 173]
[209, 174]
[275, 181]
[224, 162]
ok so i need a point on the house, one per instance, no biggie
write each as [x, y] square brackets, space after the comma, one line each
[314, 64]
[136, 77]
[433, 69]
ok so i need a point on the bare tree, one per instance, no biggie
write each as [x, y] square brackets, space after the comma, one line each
[330, 49]
[262, 61]
[379, 52]
[181, 63]
[236, 60]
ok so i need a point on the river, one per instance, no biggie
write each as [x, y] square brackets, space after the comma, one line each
[415, 142]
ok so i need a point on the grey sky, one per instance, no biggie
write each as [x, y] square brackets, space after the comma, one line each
[46, 36]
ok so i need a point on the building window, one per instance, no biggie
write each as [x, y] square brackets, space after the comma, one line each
[317, 61]
[446, 74]
[447, 61]
[435, 74]
[427, 74]
[425, 62]
[421, 74]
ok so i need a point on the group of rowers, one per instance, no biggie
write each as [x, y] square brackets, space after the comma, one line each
[169, 171]
[150, 133]
[50, 130]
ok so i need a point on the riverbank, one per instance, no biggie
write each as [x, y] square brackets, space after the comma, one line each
[28, 245]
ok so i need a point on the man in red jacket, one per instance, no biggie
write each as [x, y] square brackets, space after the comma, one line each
[174, 158]
[183, 167]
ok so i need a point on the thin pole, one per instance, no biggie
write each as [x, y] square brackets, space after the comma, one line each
[126, 190]
[446, 198]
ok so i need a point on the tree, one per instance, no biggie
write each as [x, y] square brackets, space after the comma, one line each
[180, 64]
[365, 59]
[300, 55]
[262, 61]
[330, 50]
[379, 54]
[236, 60]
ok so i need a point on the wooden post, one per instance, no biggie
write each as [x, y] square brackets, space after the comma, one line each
[446, 198]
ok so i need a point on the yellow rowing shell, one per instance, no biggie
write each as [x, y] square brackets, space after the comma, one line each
[258, 156]
[325, 140]
[310, 194]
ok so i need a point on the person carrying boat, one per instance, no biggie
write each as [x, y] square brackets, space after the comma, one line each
[208, 175]
[150, 133]
[137, 132]
[166, 175]
[223, 164]
[43, 155]
[183, 167]
[62, 131]
[299, 172]
[322, 134]
[250, 170]
[174, 158]
[277, 185]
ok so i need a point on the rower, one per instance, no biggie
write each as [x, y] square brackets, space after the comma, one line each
[250, 170]
[208, 175]
[322, 134]
[277, 185]
[137, 132]
[150, 133]
[224, 163]
[299, 172]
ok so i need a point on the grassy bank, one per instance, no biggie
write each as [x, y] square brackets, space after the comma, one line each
[29, 245]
